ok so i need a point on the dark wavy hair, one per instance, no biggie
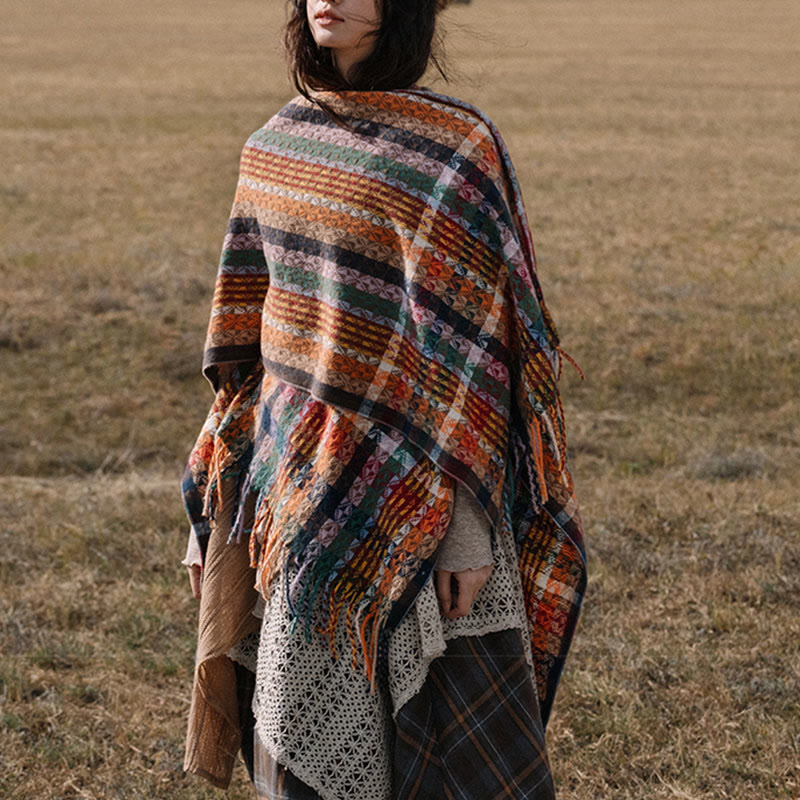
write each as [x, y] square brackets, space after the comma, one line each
[405, 44]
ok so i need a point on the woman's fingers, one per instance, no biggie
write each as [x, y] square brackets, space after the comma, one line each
[196, 580]
[463, 602]
[468, 583]
[443, 579]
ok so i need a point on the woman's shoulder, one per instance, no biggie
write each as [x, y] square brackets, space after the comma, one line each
[458, 108]
[420, 112]
[464, 121]
[414, 102]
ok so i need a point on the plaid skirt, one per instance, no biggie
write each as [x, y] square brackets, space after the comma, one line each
[473, 732]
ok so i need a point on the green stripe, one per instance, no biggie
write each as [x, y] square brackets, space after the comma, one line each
[435, 193]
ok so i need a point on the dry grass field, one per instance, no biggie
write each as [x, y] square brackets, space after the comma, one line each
[658, 148]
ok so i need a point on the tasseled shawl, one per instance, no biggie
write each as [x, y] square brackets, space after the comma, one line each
[387, 270]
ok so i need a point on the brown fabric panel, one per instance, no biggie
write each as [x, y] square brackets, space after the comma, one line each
[213, 735]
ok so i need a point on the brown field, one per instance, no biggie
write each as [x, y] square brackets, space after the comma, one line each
[658, 148]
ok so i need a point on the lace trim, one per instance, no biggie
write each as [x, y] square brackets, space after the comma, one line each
[499, 605]
[315, 714]
[245, 652]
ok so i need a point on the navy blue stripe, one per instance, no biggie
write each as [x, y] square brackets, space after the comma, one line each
[230, 354]
[238, 225]
[407, 139]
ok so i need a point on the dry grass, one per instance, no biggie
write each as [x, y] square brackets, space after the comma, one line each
[657, 146]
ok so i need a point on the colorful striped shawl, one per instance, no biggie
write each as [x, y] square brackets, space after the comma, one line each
[379, 284]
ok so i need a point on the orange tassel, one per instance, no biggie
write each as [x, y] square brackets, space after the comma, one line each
[538, 458]
[571, 360]
[370, 650]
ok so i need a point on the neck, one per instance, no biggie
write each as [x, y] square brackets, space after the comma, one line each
[345, 59]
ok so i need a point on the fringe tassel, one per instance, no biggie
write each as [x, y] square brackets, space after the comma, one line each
[337, 605]
[571, 360]
[350, 627]
[371, 663]
[561, 436]
[366, 648]
[538, 459]
[244, 507]
[363, 623]
[212, 501]
[328, 630]
[266, 555]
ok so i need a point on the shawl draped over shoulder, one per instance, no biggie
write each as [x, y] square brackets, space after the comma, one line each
[385, 268]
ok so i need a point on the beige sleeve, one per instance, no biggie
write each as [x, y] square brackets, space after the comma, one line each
[467, 543]
[193, 554]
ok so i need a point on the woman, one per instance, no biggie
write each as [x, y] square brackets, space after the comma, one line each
[386, 413]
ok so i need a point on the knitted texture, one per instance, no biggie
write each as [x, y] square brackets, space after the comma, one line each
[378, 289]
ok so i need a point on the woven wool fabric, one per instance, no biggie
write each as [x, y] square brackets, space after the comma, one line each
[378, 282]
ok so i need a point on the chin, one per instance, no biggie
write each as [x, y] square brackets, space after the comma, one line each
[327, 39]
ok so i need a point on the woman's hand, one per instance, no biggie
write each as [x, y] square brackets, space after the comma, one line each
[458, 590]
[196, 579]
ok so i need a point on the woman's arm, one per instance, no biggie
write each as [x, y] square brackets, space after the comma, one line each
[193, 560]
[464, 560]
[467, 543]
